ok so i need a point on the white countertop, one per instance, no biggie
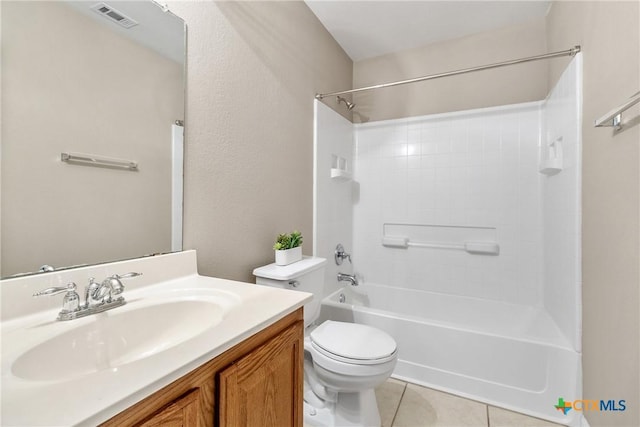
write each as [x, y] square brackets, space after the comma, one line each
[92, 398]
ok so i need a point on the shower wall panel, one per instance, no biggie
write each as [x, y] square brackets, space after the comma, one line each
[561, 202]
[476, 168]
[332, 197]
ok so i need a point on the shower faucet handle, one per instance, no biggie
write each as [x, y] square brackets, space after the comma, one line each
[339, 255]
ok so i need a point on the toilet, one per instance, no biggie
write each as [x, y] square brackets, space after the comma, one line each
[343, 362]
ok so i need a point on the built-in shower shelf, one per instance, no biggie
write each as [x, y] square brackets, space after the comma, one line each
[551, 163]
[341, 174]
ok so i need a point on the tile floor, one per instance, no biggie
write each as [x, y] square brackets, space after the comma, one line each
[408, 405]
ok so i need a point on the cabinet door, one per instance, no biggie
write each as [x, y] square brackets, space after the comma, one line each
[183, 412]
[264, 388]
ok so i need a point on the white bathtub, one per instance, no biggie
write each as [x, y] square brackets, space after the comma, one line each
[503, 354]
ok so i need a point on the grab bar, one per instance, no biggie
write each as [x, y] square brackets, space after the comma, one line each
[92, 160]
[614, 117]
[487, 248]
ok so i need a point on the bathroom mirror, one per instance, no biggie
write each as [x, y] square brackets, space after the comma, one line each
[104, 82]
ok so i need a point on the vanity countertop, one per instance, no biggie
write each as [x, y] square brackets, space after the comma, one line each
[62, 390]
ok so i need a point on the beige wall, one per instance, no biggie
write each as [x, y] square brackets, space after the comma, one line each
[508, 85]
[69, 84]
[609, 33]
[253, 71]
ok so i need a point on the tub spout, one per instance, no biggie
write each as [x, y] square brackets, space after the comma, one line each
[351, 278]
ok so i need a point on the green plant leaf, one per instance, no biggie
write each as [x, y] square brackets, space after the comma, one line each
[288, 241]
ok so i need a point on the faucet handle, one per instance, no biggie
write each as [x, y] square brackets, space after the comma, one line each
[116, 285]
[339, 255]
[71, 300]
[126, 275]
[71, 287]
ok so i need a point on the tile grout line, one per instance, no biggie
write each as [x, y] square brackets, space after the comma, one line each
[488, 419]
[395, 414]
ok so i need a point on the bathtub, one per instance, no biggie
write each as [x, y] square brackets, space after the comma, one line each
[505, 355]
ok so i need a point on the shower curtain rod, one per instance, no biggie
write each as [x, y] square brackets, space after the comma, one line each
[571, 52]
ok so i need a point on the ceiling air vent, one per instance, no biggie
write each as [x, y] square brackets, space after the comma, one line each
[115, 16]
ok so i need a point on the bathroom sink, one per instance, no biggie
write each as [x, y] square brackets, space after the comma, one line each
[173, 322]
[115, 338]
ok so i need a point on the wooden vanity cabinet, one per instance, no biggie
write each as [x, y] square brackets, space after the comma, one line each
[256, 383]
[181, 412]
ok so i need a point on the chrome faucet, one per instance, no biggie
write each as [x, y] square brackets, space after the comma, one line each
[98, 297]
[89, 293]
[351, 278]
[99, 293]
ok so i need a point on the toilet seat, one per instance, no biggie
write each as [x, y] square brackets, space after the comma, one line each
[353, 343]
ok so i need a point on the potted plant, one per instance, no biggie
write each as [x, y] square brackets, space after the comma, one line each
[288, 248]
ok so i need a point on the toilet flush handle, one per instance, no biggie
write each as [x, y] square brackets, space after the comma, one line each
[294, 283]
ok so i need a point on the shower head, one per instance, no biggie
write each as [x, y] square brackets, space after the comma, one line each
[349, 105]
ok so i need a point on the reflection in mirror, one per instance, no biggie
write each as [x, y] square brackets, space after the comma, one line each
[75, 80]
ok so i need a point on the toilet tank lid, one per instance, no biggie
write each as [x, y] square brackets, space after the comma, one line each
[291, 271]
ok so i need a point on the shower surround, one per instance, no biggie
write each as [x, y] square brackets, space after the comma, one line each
[505, 328]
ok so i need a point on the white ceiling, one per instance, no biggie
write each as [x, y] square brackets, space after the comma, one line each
[157, 28]
[366, 29]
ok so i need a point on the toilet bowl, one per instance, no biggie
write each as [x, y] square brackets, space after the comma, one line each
[344, 362]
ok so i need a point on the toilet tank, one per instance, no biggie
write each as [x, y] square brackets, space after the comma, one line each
[306, 275]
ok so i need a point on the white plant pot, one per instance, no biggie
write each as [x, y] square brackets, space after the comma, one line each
[288, 256]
